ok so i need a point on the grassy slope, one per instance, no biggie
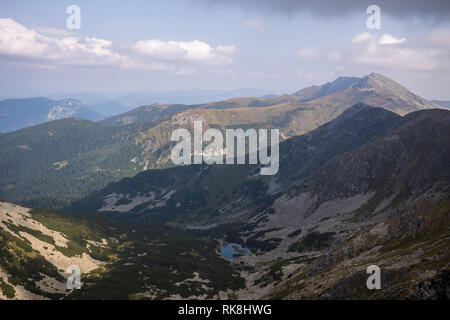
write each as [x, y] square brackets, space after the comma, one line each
[138, 259]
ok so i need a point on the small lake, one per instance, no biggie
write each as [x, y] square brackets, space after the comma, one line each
[232, 249]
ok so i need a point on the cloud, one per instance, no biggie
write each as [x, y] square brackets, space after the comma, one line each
[385, 38]
[178, 50]
[385, 51]
[54, 31]
[308, 53]
[388, 39]
[44, 51]
[435, 9]
[17, 40]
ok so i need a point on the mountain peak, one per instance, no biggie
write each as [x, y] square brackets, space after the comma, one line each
[315, 92]
[376, 78]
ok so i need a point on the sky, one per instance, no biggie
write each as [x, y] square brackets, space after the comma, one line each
[282, 46]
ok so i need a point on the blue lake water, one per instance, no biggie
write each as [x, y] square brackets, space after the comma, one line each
[230, 250]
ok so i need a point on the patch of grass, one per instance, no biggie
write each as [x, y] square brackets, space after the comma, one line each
[35, 233]
[7, 289]
[312, 241]
[123, 201]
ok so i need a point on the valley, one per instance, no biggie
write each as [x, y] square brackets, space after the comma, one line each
[363, 179]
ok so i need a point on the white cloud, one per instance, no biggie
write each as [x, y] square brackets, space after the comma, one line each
[47, 51]
[54, 31]
[178, 50]
[308, 53]
[389, 39]
[374, 51]
[17, 40]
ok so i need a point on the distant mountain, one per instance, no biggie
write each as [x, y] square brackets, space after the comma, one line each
[20, 113]
[110, 108]
[126, 103]
[445, 104]
[149, 114]
[194, 96]
[373, 89]
[316, 92]
[289, 113]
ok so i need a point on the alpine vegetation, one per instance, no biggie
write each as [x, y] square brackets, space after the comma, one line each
[215, 151]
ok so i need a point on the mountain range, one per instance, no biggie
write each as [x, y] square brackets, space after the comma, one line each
[16, 114]
[445, 104]
[311, 230]
[363, 179]
[53, 164]
[111, 105]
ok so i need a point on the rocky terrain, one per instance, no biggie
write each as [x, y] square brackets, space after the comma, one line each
[358, 185]
[370, 194]
[116, 261]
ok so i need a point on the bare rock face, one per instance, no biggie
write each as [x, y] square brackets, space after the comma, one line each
[64, 109]
[435, 288]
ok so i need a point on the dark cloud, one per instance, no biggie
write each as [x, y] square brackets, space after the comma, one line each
[431, 9]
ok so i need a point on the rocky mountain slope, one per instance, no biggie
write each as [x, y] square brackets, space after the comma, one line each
[301, 157]
[116, 261]
[370, 187]
[16, 114]
[315, 92]
[160, 192]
